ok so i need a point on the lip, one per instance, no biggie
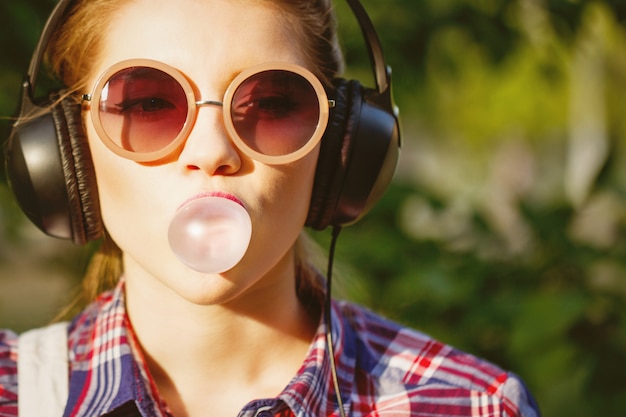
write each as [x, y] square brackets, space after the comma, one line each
[214, 194]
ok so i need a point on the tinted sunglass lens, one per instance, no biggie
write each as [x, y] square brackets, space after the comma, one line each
[142, 109]
[275, 112]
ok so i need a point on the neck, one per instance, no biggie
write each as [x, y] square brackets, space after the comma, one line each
[200, 353]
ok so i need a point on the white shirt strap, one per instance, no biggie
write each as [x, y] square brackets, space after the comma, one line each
[43, 372]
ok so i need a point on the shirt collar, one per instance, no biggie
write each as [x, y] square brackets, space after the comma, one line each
[107, 369]
[311, 392]
[109, 375]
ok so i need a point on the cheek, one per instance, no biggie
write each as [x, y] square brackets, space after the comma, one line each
[109, 171]
[120, 185]
[292, 189]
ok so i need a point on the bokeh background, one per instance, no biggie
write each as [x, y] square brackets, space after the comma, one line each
[504, 231]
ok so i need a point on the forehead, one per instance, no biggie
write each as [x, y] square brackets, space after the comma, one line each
[206, 38]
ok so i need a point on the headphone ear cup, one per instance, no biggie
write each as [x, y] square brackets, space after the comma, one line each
[50, 170]
[331, 163]
[358, 157]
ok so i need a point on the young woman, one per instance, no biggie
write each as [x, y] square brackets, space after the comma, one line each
[205, 120]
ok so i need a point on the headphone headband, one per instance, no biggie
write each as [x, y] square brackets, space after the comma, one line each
[52, 24]
[382, 72]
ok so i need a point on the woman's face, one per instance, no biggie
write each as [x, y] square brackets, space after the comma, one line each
[210, 42]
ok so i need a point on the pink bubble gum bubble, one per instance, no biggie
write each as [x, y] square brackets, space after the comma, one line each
[210, 234]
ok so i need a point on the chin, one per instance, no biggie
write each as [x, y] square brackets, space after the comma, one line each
[208, 289]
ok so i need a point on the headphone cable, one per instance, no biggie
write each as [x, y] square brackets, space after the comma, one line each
[327, 318]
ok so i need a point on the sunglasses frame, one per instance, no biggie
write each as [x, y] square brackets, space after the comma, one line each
[193, 103]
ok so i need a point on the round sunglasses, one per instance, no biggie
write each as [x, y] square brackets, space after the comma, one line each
[144, 110]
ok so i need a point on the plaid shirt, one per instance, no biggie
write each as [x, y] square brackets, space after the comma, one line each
[384, 370]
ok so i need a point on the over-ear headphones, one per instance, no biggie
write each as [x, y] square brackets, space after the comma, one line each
[50, 170]
[360, 148]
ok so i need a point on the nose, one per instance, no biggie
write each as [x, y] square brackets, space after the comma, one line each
[208, 147]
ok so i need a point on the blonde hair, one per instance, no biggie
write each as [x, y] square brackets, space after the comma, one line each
[73, 52]
[74, 48]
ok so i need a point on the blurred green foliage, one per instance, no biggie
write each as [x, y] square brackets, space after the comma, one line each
[504, 230]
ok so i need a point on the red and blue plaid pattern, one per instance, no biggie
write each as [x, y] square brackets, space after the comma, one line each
[384, 369]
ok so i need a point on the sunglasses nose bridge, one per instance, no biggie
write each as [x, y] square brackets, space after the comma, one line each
[207, 145]
[205, 103]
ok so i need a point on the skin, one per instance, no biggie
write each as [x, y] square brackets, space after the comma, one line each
[202, 335]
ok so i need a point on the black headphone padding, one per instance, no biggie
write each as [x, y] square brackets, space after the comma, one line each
[80, 178]
[335, 150]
